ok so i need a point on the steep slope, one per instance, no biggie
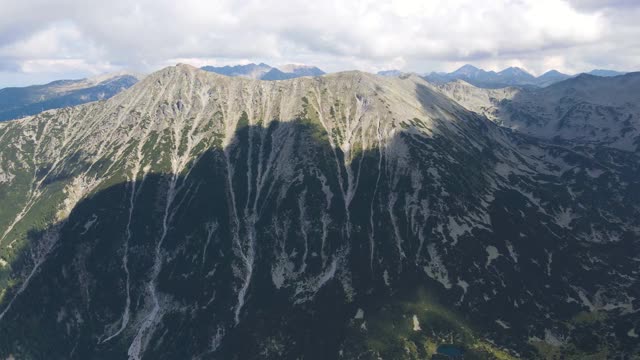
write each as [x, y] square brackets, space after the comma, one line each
[483, 101]
[201, 216]
[586, 109]
[20, 102]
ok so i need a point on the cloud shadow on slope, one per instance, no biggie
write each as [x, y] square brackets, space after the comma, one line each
[76, 300]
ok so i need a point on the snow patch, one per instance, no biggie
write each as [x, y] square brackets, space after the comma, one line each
[492, 254]
[216, 340]
[277, 276]
[416, 323]
[594, 173]
[435, 269]
[503, 324]
[463, 284]
[385, 277]
[564, 218]
[455, 229]
[89, 223]
[553, 339]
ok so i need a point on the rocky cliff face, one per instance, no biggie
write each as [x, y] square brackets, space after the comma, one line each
[344, 216]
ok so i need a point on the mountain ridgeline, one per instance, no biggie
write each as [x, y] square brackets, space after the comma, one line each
[347, 216]
[19, 102]
[263, 71]
[588, 110]
[511, 76]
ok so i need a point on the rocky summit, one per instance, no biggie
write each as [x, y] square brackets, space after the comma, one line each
[346, 216]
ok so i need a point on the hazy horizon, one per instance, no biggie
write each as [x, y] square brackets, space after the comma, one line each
[43, 40]
[126, 71]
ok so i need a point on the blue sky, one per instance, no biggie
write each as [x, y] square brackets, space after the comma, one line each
[43, 40]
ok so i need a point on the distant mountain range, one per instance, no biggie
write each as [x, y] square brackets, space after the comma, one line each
[512, 76]
[390, 73]
[263, 71]
[17, 102]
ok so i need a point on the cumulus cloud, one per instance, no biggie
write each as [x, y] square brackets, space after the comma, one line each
[40, 36]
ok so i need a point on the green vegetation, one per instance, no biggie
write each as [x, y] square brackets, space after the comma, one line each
[586, 342]
[243, 121]
[389, 331]
[309, 118]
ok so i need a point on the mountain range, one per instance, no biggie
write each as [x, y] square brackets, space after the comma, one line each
[512, 76]
[345, 216]
[594, 110]
[390, 73]
[16, 102]
[265, 72]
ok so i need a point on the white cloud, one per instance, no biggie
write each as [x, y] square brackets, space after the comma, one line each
[414, 35]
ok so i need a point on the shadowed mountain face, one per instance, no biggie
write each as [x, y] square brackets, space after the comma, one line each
[346, 216]
[25, 101]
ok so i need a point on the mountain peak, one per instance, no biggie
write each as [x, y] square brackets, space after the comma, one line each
[112, 76]
[467, 69]
[277, 74]
[23, 101]
[177, 68]
[185, 66]
[552, 72]
[551, 77]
